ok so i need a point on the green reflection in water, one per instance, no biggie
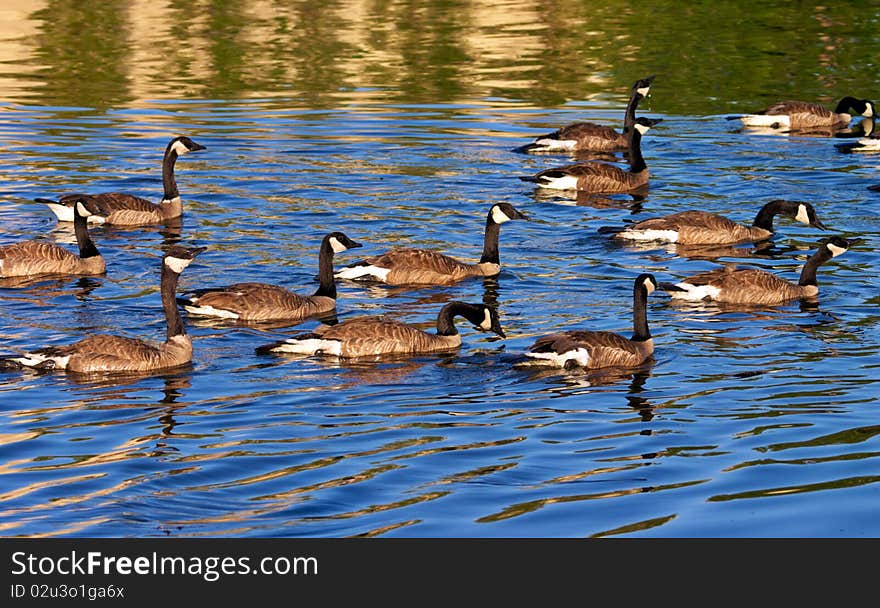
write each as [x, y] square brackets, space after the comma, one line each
[709, 58]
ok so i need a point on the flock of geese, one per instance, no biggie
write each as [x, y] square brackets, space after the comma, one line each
[372, 336]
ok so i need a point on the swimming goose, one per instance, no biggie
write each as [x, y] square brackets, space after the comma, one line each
[265, 302]
[704, 228]
[796, 115]
[127, 209]
[597, 176]
[30, 258]
[597, 349]
[754, 285]
[407, 266]
[109, 353]
[380, 335]
[591, 136]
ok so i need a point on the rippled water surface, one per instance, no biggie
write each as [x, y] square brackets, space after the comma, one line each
[749, 422]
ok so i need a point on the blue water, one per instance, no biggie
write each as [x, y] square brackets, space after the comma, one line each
[750, 422]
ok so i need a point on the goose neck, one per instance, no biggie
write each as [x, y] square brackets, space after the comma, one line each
[326, 283]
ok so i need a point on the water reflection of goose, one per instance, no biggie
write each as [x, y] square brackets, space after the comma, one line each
[630, 200]
[597, 349]
[266, 302]
[590, 136]
[704, 228]
[40, 257]
[406, 266]
[130, 210]
[599, 176]
[804, 115]
[108, 353]
[370, 336]
[754, 285]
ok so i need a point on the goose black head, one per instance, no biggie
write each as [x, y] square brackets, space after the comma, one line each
[643, 86]
[85, 205]
[643, 124]
[339, 242]
[177, 257]
[487, 319]
[184, 145]
[805, 213]
[491, 322]
[504, 212]
[837, 244]
[647, 281]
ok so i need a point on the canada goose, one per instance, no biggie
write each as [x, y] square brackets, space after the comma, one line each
[596, 349]
[592, 136]
[381, 335]
[29, 258]
[596, 176]
[406, 266]
[704, 228]
[796, 115]
[265, 302]
[129, 210]
[108, 353]
[754, 285]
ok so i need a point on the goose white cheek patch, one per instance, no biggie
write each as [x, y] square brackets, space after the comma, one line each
[487, 321]
[498, 216]
[336, 245]
[835, 250]
[802, 215]
[643, 91]
[82, 211]
[177, 264]
[642, 128]
[180, 148]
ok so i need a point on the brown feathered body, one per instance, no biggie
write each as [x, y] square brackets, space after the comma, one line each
[29, 258]
[600, 348]
[108, 353]
[123, 209]
[381, 335]
[264, 302]
[591, 136]
[597, 176]
[700, 227]
[806, 115]
[408, 266]
[749, 286]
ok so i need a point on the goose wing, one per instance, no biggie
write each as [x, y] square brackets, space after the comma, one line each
[585, 130]
[796, 107]
[602, 348]
[255, 302]
[421, 259]
[686, 219]
[378, 335]
[591, 175]
[108, 202]
[35, 257]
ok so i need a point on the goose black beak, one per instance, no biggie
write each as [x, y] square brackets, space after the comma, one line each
[521, 216]
[196, 147]
[355, 245]
[818, 225]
